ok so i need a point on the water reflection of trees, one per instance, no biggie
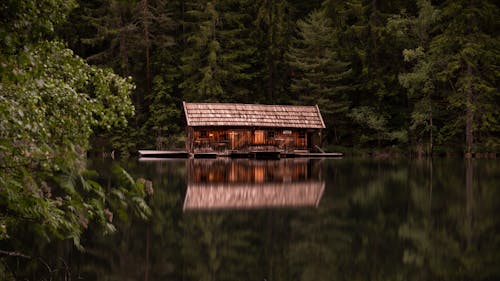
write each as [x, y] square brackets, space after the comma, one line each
[416, 220]
[453, 228]
[140, 250]
[377, 220]
[420, 221]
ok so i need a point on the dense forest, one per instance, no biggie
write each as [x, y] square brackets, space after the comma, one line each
[110, 75]
[415, 76]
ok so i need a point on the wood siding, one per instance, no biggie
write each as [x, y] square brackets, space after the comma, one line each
[245, 139]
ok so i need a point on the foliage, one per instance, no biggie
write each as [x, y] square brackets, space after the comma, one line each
[164, 108]
[318, 74]
[51, 103]
[217, 58]
[273, 30]
[420, 81]
[202, 60]
[411, 62]
[466, 50]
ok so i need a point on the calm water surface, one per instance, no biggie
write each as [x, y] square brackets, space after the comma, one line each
[301, 219]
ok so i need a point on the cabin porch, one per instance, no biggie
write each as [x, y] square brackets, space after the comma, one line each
[244, 140]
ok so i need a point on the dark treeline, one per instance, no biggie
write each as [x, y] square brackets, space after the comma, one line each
[416, 76]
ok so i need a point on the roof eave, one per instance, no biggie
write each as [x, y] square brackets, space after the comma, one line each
[320, 117]
[188, 122]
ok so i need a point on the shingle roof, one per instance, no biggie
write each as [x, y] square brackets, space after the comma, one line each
[252, 115]
[208, 196]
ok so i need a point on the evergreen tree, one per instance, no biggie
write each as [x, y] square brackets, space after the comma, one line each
[375, 59]
[219, 54]
[114, 38]
[201, 62]
[162, 117]
[238, 50]
[317, 69]
[466, 52]
[273, 28]
[420, 80]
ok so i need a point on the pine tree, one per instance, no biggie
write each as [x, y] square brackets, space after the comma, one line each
[162, 102]
[466, 52]
[114, 38]
[164, 115]
[317, 70]
[273, 29]
[219, 53]
[419, 81]
[202, 58]
[238, 50]
[375, 58]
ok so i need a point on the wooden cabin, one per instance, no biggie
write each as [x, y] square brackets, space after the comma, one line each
[219, 127]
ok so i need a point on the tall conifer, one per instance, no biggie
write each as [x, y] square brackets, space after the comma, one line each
[202, 57]
[467, 52]
[317, 69]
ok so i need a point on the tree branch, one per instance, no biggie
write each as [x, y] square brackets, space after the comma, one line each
[14, 254]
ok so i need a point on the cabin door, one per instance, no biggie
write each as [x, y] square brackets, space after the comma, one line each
[232, 135]
[310, 140]
[259, 137]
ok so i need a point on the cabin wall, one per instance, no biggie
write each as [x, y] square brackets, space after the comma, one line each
[204, 139]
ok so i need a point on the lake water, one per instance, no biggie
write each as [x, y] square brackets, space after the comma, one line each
[299, 219]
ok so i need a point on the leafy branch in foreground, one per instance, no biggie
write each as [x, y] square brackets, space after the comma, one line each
[50, 103]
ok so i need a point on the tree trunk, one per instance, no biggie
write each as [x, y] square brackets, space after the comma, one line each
[271, 62]
[431, 139]
[469, 115]
[146, 41]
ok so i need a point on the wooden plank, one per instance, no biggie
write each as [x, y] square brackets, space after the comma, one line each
[163, 154]
[325, 155]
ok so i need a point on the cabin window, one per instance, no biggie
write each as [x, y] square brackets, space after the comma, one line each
[302, 135]
[270, 134]
[203, 134]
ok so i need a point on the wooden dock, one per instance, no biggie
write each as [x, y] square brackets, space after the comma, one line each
[269, 154]
[320, 154]
[163, 154]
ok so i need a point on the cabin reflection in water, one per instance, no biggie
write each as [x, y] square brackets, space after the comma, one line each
[250, 184]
